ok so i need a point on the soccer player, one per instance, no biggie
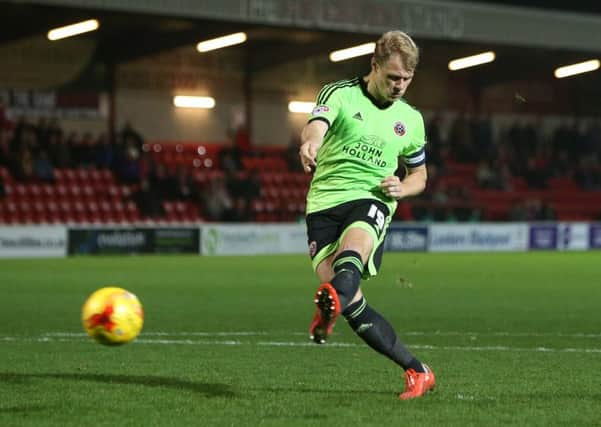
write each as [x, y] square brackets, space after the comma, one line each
[352, 143]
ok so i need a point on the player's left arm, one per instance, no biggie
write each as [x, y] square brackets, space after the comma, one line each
[413, 183]
[414, 159]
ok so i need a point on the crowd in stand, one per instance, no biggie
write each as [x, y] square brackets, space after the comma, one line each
[519, 155]
[573, 150]
[32, 150]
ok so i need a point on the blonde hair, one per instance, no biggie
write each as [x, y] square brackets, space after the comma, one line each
[400, 43]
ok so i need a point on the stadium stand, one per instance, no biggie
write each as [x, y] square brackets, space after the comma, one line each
[186, 179]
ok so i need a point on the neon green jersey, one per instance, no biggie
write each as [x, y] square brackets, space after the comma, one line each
[362, 145]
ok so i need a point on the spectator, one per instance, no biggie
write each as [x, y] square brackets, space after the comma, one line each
[242, 141]
[104, 152]
[518, 211]
[535, 174]
[588, 173]
[87, 151]
[436, 146]
[546, 212]
[483, 136]
[531, 210]
[561, 164]
[43, 169]
[217, 201]
[291, 155]
[163, 182]
[60, 151]
[487, 177]
[5, 155]
[537, 210]
[184, 186]
[130, 136]
[147, 164]
[129, 170]
[25, 166]
[229, 158]
[149, 201]
[461, 139]
[42, 130]
[74, 143]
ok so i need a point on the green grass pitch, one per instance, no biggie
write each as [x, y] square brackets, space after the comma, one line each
[514, 339]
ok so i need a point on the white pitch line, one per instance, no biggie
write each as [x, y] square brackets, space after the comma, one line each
[502, 334]
[436, 347]
[335, 344]
[170, 334]
[188, 342]
[409, 333]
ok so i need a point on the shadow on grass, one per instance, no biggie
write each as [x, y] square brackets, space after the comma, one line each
[315, 390]
[22, 409]
[207, 389]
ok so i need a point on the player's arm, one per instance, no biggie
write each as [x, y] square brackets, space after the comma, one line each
[413, 183]
[311, 139]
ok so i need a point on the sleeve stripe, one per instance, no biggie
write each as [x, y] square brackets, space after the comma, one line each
[328, 90]
[323, 119]
[416, 159]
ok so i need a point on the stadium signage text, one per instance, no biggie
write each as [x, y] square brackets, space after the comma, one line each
[410, 238]
[476, 237]
[33, 241]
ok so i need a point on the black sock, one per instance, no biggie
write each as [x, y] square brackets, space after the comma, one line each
[379, 335]
[348, 268]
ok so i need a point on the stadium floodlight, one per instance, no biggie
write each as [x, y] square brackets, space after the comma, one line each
[220, 42]
[471, 61]
[73, 29]
[581, 67]
[351, 52]
[183, 101]
[300, 106]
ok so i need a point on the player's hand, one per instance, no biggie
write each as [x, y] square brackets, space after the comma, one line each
[392, 187]
[307, 154]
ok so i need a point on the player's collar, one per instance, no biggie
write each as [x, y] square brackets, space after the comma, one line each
[369, 96]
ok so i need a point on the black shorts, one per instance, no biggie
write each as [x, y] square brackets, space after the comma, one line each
[324, 229]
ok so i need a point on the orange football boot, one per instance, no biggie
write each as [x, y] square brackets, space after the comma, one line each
[418, 383]
[327, 310]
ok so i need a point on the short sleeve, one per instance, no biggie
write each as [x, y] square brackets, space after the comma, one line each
[327, 104]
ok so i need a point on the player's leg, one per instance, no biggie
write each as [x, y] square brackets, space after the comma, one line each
[340, 275]
[349, 263]
[360, 253]
[379, 334]
[341, 239]
[323, 234]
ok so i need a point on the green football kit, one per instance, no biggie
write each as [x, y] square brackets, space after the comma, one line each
[361, 147]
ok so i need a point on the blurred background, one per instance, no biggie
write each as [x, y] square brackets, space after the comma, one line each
[136, 121]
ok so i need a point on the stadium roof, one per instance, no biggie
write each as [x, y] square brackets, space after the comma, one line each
[559, 5]
[124, 36]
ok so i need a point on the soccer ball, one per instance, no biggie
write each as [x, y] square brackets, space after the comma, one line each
[112, 316]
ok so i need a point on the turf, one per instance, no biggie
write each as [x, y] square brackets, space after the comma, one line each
[514, 339]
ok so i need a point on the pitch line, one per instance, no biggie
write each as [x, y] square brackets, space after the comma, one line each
[162, 341]
[401, 333]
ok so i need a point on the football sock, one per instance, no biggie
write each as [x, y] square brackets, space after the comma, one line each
[347, 267]
[379, 335]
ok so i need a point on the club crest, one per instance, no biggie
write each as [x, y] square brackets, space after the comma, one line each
[399, 128]
[312, 248]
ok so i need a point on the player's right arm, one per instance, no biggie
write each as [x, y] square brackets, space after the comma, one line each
[312, 137]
